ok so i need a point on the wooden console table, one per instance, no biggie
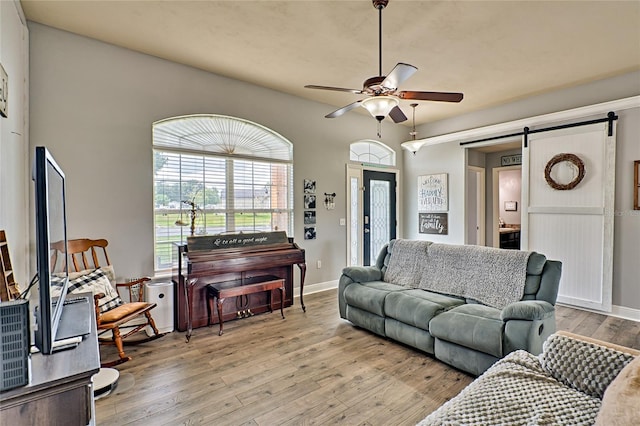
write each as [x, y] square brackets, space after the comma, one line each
[60, 391]
[220, 291]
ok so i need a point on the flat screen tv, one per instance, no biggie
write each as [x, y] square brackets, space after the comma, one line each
[51, 226]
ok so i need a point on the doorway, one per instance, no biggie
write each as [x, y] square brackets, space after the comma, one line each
[482, 212]
[372, 209]
[507, 207]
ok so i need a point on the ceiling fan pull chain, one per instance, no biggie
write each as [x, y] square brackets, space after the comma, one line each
[379, 129]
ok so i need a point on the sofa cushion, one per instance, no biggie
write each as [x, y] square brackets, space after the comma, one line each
[370, 296]
[465, 359]
[535, 266]
[409, 335]
[366, 320]
[477, 327]
[620, 404]
[417, 307]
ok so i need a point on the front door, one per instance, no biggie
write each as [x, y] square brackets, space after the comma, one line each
[379, 213]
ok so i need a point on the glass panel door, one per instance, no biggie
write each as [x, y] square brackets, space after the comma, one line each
[379, 213]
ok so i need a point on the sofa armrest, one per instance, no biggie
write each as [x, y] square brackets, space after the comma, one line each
[351, 275]
[527, 310]
[362, 274]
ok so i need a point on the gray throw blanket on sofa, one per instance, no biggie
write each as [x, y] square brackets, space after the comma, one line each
[407, 261]
[489, 275]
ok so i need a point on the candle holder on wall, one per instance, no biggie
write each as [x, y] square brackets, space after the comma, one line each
[329, 202]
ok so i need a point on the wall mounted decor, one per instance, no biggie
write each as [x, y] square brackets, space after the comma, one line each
[309, 186]
[309, 232]
[511, 160]
[329, 202]
[433, 223]
[309, 217]
[511, 206]
[573, 161]
[309, 201]
[433, 193]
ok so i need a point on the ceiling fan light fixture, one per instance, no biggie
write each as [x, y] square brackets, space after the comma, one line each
[380, 106]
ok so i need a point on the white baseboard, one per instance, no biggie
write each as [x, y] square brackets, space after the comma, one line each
[316, 288]
[623, 312]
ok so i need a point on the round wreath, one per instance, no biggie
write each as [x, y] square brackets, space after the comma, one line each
[573, 159]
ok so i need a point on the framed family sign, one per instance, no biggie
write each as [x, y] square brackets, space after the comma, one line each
[433, 195]
[433, 223]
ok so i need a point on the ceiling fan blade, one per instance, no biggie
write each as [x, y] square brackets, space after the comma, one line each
[398, 74]
[335, 89]
[344, 109]
[397, 115]
[431, 96]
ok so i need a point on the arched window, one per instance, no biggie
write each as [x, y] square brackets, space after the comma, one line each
[372, 152]
[232, 174]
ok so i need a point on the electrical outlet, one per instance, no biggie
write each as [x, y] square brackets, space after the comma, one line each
[319, 264]
[343, 221]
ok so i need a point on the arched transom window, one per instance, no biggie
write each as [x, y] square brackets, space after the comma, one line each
[372, 152]
[231, 174]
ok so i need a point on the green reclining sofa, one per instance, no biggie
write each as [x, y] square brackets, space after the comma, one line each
[457, 303]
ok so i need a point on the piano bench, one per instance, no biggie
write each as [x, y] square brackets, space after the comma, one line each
[218, 292]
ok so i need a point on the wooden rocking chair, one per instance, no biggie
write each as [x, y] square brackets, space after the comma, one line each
[84, 257]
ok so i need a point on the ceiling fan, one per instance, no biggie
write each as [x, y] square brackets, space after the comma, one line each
[383, 94]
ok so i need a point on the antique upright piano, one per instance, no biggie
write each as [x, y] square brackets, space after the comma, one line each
[237, 257]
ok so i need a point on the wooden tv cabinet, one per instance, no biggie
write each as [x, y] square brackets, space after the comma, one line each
[60, 389]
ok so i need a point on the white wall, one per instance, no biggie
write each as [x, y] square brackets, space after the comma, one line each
[443, 158]
[448, 157]
[93, 104]
[509, 184]
[14, 196]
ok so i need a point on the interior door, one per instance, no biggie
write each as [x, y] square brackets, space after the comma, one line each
[572, 225]
[475, 210]
[379, 213]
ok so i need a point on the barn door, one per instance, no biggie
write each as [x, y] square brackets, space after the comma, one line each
[574, 225]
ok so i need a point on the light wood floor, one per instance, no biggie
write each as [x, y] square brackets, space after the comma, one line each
[312, 368]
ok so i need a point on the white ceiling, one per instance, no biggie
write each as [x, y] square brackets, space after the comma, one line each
[492, 51]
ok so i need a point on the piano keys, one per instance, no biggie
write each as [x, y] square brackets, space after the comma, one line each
[228, 257]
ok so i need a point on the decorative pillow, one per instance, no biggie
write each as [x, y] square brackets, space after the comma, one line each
[96, 281]
[620, 403]
[108, 270]
[581, 364]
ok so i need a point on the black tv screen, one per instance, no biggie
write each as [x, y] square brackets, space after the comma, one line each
[51, 227]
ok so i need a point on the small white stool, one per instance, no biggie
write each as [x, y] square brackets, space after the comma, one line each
[105, 381]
